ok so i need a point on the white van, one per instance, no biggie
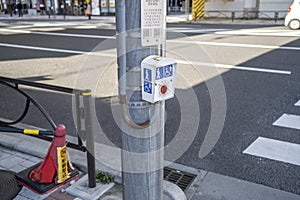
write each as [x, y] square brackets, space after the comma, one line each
[292, 19]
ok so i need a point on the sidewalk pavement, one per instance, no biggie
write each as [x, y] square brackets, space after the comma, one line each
[18, 152]
[16, 161]
[172, 18]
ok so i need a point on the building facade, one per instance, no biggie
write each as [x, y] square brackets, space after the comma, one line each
[246, 8]
[213, 8]
[69, 7]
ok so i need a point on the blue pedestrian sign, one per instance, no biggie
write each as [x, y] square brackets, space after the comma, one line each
[164, 72]
[158, 78]
[148, 87]
[168, 70]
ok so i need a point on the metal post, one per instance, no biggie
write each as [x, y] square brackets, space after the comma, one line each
[146, 184]
[276, 16]
[79, 116]
[187, 10]
[89, 128]
[121, 45]
[9, 8]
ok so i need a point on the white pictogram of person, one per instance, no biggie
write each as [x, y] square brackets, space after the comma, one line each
[171, 70]
[146, 75]
[158, 75]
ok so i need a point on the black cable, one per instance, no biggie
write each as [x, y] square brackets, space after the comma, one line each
[35, 103]
[21, 117]
[26, 131]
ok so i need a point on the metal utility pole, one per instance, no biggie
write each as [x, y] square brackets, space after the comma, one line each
[187, 10]
[10, 8]
[143, 135]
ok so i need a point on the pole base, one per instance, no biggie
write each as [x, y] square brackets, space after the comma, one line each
[41, 188]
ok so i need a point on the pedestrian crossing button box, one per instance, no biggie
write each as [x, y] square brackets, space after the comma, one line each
[158, 78]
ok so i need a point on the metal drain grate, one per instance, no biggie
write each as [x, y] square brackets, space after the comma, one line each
[180, 178]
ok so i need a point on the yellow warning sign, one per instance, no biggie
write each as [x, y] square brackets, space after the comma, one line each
[62, 166]
[198, 9]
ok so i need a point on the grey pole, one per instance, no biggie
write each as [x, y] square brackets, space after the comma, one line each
[142, 137]
[89, 128]
[121, 45]
[187, 10]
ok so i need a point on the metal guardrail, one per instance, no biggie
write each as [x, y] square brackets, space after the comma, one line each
[235, 14]
[83, 119]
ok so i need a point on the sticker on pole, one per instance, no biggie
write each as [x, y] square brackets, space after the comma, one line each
[62, 164]
[152, 22]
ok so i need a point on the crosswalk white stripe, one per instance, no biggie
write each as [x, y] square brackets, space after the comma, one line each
[275, 150]
[297, 103]
[288, 121]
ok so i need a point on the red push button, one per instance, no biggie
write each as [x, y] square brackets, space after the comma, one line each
[163, 89]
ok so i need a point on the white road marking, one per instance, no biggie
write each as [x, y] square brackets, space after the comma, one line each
[297, 103]
[74, 35]
[259, 32]
[253, 32]
[42, 48]
[192, 30]
[235, 45]
[57, 34]
[56, 50]
[288, 121]
[178, 61]
[47, 24]
[85, 27]
[234, 67]
[171, 41]
[275, 150]
[14, 31]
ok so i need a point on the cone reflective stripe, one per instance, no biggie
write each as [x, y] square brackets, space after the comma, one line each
[62, 164]
[198, 9]
[54, 167]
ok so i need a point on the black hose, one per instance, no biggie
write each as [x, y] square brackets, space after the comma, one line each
[34, 102]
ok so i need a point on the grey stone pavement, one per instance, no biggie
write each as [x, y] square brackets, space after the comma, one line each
[17, 161]
[18, 152]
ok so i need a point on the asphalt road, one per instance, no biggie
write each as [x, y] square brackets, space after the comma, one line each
[253, 82]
